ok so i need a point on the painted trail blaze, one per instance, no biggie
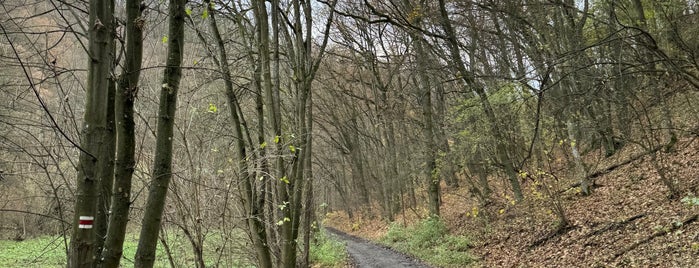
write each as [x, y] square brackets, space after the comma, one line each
[85, 222]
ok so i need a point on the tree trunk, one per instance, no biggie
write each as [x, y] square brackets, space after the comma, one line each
[433, 175]
[253, 204]
[579, 170]
[495, 131]
[94, 136]
[162, 170]
[106, 170]
[665, 113]
[126, 143]
[429, 129]
[357, 168]
[308, 208]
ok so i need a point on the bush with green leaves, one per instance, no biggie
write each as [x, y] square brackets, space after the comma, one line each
[429, 240]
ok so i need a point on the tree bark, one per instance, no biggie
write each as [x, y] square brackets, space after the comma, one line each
[126, 143]
[94, 136]
[579, 171]
[162, 170]
[106, 173]
[107, 167]
[429, 129]
[253, 203]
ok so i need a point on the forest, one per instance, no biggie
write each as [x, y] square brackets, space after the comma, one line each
[301, 133]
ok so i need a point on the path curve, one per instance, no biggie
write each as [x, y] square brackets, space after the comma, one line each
[365, 254]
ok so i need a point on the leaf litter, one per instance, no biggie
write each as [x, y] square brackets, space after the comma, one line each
[628, 221]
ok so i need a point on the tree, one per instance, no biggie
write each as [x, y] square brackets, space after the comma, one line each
[162, 166]
[94, 135]
[503, 154]
[125, 162]
[253, 203]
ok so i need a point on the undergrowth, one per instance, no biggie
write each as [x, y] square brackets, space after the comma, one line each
[45, 251]
[50, 251]
[327, 251]
[429, 240]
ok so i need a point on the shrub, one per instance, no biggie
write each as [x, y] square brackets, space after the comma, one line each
[327, 251]
[430, 241]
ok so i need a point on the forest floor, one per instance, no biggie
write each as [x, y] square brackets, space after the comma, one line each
[628, 221]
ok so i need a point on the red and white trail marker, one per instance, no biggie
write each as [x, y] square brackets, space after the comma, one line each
[86, 222]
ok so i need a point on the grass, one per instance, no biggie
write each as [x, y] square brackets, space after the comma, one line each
[49, 251]
[328, 251]
[45, 251]
[429, 240]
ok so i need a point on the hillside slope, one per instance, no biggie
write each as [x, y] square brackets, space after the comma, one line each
[628, 220]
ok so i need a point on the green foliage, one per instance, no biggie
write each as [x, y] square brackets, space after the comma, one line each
[49, 251]
[281, 222]
[212, 108]
[327, 251]
[430, 240]
[284, 180]
[205, 14]
[690, 200]
[513, 106]
[43, 251]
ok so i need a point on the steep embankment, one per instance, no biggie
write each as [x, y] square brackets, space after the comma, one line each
[628, 220]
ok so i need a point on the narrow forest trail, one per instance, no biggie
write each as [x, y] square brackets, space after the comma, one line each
[365, 254]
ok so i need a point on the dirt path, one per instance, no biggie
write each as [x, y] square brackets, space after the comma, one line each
[365, 254]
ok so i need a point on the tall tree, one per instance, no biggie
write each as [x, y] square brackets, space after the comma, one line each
[124, 110]
[94, 136]
[107, 166]
[162, 166]
[504, 156]
[427, 101]
[253, 202]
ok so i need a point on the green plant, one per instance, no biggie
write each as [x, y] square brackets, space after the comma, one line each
[49, 251]
[430, 241]
[690, 200]
[395, 234]
[327, 251]
[46, 251]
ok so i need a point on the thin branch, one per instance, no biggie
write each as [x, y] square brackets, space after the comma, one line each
[38, 96]
[34, 213]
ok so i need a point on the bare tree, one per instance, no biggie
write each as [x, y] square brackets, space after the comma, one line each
[125, 128]
[162, 170]
[94, 135]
